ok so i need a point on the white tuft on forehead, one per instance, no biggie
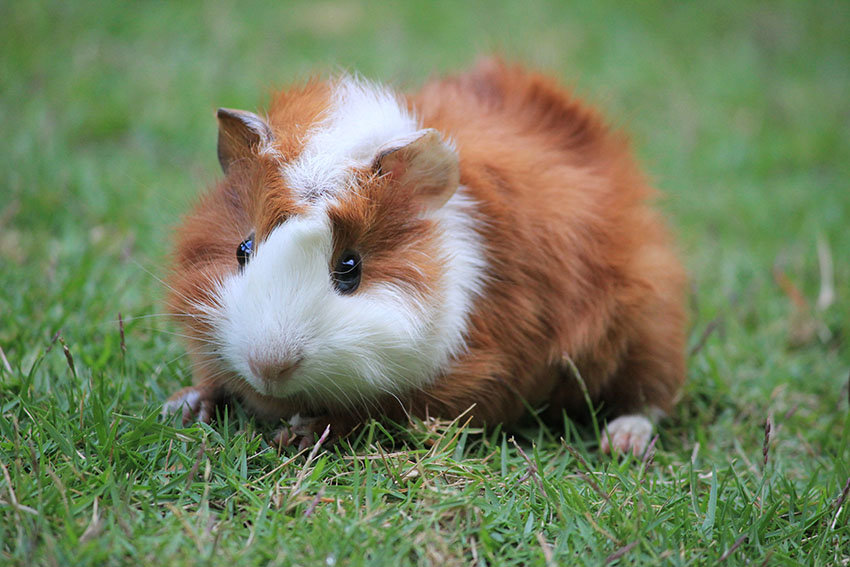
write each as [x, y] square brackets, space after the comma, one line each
[361, 118]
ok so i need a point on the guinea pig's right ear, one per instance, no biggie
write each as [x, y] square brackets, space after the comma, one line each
[422, 164]
[240, 134]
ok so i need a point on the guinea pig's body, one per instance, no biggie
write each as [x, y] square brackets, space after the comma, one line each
[473, 244]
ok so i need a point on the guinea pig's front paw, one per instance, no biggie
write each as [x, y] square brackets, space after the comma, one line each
[627, 433]
[196, 402]
[307, 430]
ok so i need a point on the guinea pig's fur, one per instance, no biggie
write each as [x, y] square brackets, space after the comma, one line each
[498, 238]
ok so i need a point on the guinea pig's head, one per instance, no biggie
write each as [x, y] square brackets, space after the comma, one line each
[339, 258]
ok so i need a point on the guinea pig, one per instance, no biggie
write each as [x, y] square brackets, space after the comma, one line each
[486, 242]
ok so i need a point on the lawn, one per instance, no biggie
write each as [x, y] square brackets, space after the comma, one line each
[738, 110]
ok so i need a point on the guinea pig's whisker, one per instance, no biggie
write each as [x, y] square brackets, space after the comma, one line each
[340, 394]
[180, 356]
[155, 277]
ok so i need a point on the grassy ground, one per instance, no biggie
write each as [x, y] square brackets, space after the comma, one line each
[739, 111]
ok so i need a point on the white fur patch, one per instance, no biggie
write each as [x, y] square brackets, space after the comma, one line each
[362, 118]
[383, 338]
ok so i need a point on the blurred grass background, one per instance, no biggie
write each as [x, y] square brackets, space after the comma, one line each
[738, 110]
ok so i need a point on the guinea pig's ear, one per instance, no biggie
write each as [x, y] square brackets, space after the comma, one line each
[423, 164]
[240, 133]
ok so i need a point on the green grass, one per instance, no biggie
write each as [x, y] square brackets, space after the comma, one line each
[739, 112]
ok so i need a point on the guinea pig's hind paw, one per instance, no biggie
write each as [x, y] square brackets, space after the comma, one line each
[627, 433]
[196, 403]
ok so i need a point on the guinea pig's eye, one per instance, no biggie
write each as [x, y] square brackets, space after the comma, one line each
[244, 251]
[346, 273]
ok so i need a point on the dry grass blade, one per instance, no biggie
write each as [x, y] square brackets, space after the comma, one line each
[706, 333]
[5, 361]
[826, 296]
[318, 498]
[732, 549]
[600, 530]
[13, 499]
[649, 453]
[587, 478]
[532, 467]
[121, 333]
[839, 503]
[695, 453]
[302, 474]
[843, 495]
[765, 449]
[281, 466]
[566, 359]
[194, 470]
[386, 463]
[439, 443]
[620, 552]
[804, 326]
[789, 288]
[95, 525]
[546, 547]
[69, 358]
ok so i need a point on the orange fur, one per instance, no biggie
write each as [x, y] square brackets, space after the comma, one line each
[586, 267]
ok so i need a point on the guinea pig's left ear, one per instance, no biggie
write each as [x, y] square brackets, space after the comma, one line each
[423, 164]
[240, 135]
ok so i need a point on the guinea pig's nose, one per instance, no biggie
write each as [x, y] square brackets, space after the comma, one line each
[274, 371]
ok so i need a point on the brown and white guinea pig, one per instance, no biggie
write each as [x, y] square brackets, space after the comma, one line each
[374, 253]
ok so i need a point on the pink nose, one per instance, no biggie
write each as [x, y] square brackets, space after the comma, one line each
[273, 371]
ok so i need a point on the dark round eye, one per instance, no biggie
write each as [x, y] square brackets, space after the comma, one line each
[244, 251]
[346, 273]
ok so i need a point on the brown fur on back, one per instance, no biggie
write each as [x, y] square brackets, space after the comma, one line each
[566, 219]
